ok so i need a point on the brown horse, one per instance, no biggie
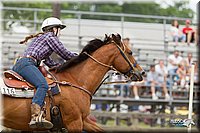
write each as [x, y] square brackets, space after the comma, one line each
[86, 71]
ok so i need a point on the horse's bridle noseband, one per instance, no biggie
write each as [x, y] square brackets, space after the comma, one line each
[132, 67]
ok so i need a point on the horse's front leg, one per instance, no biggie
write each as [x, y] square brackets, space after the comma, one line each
[75, 126]
[91, 126]
[72, 120]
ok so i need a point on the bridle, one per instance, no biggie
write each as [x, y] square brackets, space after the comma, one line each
[122, 52]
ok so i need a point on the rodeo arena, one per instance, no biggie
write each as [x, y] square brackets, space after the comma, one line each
[154, 99]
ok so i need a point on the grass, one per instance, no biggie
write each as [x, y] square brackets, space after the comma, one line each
[140, 126]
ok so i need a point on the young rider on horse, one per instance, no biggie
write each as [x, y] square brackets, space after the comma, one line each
[27, 66]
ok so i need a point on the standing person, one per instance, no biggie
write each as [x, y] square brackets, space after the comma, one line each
[176, 33]
[189, 32]
[40, 48]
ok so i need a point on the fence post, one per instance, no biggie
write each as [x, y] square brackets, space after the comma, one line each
[35, 20]
[1, 65]
[79, 24]
[191, 98]
[122, 26]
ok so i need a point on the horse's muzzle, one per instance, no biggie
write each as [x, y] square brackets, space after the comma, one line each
[143, 73]
[137, 76]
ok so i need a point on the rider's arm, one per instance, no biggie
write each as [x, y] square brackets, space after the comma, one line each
[59, 48]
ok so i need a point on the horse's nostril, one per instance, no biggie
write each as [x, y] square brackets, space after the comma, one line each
[143, 72]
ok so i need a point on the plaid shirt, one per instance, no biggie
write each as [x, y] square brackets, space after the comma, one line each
[43, 46]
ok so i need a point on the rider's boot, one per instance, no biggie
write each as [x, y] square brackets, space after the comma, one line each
[37, 120]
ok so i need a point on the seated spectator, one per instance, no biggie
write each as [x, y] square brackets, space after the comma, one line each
[134, 88]
[196, 75]
[177, 34]
[188, 61]
[189, 32]
[154, 82]
[161, 69]
[173, 61]
[120, 90]
[181, 73]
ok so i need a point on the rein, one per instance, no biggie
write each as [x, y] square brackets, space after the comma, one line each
[70, 84]
[75, 86]
[105, 65]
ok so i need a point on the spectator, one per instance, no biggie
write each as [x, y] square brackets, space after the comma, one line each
[153, 82]
[161, 69]
[189, 32]
[120, 90]
[181, 73]
[126, 41]
[173, 61]
[196, 75]
[134, 88]
[177, 34]
[188, 61]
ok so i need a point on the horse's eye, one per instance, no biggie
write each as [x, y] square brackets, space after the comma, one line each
[130, 52]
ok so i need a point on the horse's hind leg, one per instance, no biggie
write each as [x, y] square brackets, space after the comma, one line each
[90, 126]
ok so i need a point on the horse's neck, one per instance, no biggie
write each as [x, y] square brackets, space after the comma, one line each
[89, 73]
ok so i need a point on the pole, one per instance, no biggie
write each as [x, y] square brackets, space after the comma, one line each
[56, 9]
[1, 29]
[191, 96]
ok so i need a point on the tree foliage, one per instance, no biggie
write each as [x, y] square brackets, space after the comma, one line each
[179, 9]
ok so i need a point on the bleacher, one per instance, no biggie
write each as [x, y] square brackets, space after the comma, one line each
[147, 48]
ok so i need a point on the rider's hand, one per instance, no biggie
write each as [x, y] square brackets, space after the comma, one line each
[54, 67]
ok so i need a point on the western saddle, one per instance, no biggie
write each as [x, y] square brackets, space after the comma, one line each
[14, 80]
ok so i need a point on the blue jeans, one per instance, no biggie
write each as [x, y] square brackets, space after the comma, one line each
[27, 68]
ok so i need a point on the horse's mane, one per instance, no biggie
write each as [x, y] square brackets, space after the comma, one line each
[92, 46]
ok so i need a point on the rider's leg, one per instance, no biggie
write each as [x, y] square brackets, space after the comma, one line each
[31, 73]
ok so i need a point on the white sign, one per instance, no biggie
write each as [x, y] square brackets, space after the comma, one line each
[8, 91]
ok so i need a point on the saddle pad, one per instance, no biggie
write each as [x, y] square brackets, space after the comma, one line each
[26, 93]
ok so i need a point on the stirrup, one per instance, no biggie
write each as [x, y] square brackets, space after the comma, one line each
[43, 124]
[40, 122]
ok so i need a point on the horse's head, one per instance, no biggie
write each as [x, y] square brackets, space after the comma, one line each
[124, 61]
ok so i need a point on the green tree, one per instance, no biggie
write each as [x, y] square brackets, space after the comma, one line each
[179, 9]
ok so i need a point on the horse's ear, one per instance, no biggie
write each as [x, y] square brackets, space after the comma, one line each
[119, 36]
[113, 36]
[106, 36]
[116, 38]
